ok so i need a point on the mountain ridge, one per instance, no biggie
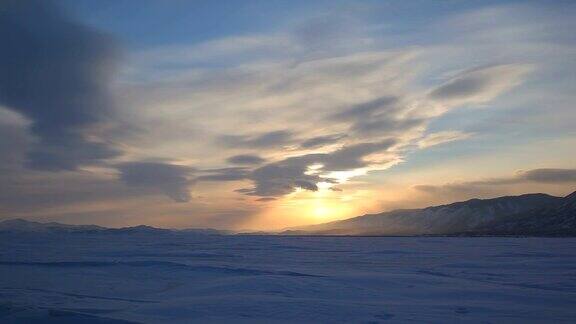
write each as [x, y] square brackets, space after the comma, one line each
[470, 217]
[18, 225]
[528, 214]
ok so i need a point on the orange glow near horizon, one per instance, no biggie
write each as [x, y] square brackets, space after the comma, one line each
[306, 208]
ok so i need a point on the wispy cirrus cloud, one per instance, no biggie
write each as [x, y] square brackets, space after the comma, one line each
[442, 137]
[480, 85]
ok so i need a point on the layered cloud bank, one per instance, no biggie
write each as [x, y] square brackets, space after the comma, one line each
[320, 108]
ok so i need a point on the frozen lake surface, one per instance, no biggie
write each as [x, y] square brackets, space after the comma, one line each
[187, 278]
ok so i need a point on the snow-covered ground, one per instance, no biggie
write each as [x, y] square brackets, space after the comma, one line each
[187, 278]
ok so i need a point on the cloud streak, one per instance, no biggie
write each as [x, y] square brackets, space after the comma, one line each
[245, 159]
[541, 176]
[438, 138]
[480, 85]
[320, 141]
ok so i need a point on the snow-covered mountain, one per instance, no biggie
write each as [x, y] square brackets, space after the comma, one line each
[558, 219]
[460, 217]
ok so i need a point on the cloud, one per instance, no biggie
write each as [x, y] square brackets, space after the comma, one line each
[538, 176]
[317, 101]
[57, 73]
[283, 177]
[68, 153]
[13, 139]
[244, 190]
[386, 125]
[170, 179]
[320, 141]
[480, 85]
[549, 175]
[367, 109]
[381, 116]
[265, 140]
[245, 159]
[266, 199]
[441, 138]
[354, 156]
[544, 175]
[225, 174]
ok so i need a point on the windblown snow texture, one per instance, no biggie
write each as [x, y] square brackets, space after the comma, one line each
[147, 276]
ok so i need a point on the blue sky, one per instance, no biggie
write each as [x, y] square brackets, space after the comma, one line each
[267, 114]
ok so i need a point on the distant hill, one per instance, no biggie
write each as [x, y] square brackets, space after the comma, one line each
[530, 214]
[21, 225]
[24, 226]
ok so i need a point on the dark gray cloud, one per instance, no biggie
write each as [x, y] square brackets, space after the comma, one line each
[56, 72]
[480, 84]
[245, 159]
[550, 175]
[367, 109]
[380, 116]
[544, 175]
[170, 179]
[283, 177]
[265, 140]
[459, 87]
[352, 156]
[321, 141]
[67, 153]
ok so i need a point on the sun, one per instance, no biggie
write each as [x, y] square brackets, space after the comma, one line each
[321, 211]
[303, 207]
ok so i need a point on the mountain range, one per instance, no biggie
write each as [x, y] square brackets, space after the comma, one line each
[530, 215]
[24, 226]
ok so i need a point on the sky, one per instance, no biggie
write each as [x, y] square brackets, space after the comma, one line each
[263, 115]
